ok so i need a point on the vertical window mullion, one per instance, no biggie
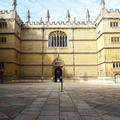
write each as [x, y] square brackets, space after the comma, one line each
[49, 40]
[63, 41]
[54, 42]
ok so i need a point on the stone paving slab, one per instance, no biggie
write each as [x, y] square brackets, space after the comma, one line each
[26, 117]
[48, 118]
[38, 103]
[32, 109]
[87, 112]
[90, 118]
[51, 107]
[69, 116]
[107, 117]
[49, 113]
[40, 100]
[44, 101]
[68, 109]
[29, 113]
[83, 106]
[52, 102]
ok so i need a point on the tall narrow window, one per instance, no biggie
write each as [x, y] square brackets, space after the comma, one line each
[117, 65]
[113, 65]
[58, 39]
[1, 65]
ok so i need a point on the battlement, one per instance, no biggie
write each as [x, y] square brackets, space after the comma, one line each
[105, 13]
[6, 14]
[113, 11]
[59, 24]
[11, 14]
[6, 11]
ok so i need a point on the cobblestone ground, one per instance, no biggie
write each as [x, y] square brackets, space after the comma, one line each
[44, 101]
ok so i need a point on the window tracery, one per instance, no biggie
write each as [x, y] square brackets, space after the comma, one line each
[58, 39]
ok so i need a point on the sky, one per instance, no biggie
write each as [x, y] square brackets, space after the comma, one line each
[58, 8]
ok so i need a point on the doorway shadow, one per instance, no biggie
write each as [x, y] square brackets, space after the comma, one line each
[1, 77]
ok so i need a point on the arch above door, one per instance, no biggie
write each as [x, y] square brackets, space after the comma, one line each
[58, 62]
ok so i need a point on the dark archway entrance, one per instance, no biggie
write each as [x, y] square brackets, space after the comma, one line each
[58, 73]
[117, 78]
[57, 67]
[1, 76]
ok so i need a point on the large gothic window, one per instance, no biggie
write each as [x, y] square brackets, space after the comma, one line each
[57, 39]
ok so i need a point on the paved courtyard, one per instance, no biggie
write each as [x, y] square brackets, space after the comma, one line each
[44, 101]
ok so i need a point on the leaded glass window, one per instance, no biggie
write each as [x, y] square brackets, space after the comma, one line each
[58, 39]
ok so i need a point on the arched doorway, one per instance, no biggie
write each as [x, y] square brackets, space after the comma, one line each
[57, 67]
[117, 78]
[57, 74]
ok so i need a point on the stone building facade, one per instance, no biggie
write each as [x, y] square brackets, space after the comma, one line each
[82, 50]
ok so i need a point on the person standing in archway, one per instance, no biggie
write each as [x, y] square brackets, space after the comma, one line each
[58, 73]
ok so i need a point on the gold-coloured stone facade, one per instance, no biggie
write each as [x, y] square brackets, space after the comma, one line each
[90, 53]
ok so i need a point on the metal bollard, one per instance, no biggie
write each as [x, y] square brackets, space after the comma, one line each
[62, 87]
[61, 80]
